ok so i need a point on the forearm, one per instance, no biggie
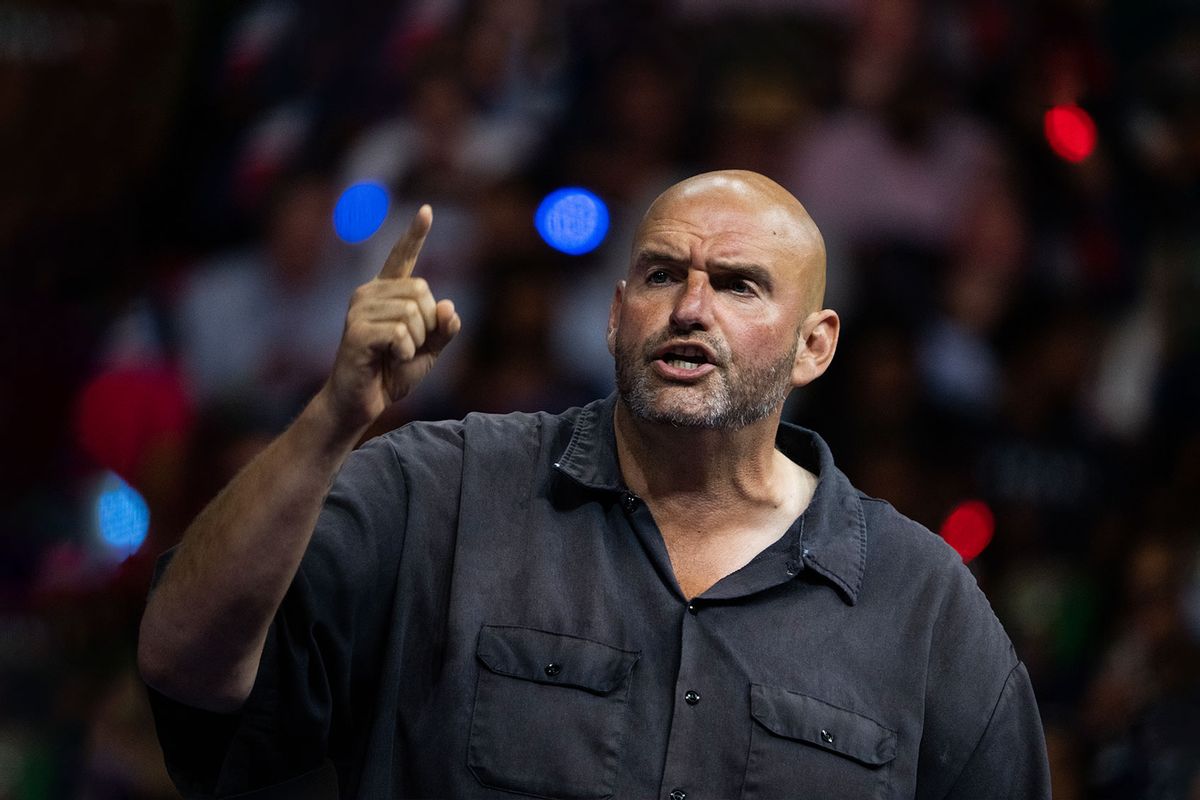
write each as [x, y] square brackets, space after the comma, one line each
[205, 624]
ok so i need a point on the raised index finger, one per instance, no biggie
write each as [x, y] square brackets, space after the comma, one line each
[403, 258]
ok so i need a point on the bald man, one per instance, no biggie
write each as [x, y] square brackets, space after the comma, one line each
[667, 593]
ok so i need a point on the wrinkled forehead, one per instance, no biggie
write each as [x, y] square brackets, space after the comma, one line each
[741, 212]
[710, 216]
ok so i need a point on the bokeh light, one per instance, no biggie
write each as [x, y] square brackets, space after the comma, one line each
[968, 528]
[360, 211]
[1070, 132]
[572, 220]
[124, 415]
[122, 516]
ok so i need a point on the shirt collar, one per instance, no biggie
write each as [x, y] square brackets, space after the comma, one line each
[590, 458]
[833, 540]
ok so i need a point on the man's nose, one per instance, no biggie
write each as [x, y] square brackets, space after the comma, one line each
[693, 305]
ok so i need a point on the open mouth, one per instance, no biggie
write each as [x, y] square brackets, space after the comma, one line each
[685, 357]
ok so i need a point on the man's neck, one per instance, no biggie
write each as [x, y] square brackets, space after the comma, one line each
[718, 497]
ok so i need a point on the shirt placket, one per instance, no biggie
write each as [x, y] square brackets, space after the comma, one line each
[689, 721]
[687, 716]
[698, 709]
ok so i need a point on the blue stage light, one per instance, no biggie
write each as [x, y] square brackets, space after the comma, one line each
[122, 516]
[572, 220]
[360, 211]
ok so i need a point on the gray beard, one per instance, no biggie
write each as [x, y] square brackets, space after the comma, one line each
[736, 401]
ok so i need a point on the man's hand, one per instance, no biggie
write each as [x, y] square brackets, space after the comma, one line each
[205, 626]
[394, 333]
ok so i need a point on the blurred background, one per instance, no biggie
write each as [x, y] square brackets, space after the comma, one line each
[1009, 190]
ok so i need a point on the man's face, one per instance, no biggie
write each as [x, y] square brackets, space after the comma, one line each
[705, 331]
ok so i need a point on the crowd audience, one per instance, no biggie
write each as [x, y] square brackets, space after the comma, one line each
[1019, 328]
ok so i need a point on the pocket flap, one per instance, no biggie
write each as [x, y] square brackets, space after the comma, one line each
[553, 658]
[807, 719]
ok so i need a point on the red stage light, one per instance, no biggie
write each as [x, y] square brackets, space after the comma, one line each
[1070, 131]
[968, 528]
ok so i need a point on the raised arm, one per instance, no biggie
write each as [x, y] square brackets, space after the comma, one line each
[206, 622]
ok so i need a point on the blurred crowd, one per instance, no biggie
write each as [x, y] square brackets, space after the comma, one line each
[1019, 329]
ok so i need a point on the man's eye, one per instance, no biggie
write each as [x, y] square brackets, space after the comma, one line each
[658, 276]
[739, 286]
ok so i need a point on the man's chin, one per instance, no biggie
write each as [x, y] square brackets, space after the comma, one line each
[667, 408]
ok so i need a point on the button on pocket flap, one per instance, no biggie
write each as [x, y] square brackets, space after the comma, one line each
[553, 658]
[807, 719]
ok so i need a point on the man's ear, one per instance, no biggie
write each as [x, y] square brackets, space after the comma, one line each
[614, 317]
[818, 341]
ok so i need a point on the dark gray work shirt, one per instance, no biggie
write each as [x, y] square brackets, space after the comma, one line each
[485, 610]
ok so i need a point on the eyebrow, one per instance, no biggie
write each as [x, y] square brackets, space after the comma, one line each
[659, 256]
[743, 269]
[749, 270]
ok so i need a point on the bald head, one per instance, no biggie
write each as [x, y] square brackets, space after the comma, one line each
[778, 213]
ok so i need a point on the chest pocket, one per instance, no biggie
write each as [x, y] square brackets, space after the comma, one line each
[550, 713]
[801, 746]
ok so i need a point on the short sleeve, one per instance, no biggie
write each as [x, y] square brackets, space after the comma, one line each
[982, 728]
[1009, 761]
[312, 695]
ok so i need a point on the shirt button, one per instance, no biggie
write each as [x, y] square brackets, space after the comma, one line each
[553, 669]
[691, 608]
[678, 794]
[692, 697]
[629, 501]
[826, 736]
